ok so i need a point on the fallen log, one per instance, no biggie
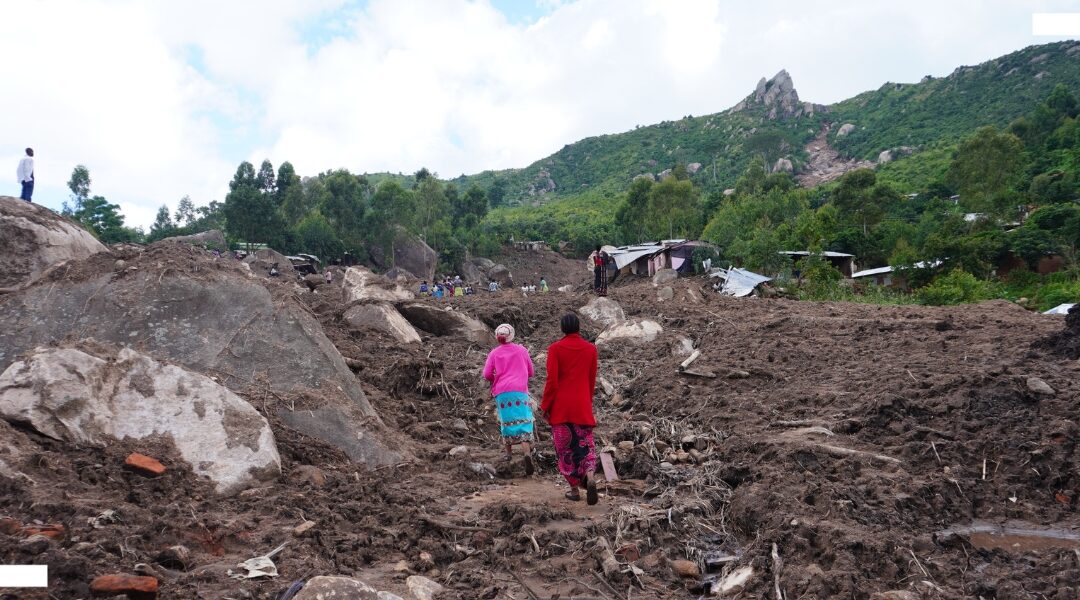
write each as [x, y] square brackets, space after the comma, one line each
[839, 452]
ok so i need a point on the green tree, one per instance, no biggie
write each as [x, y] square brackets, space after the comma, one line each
[105, 221]
[79, 184]
[861, 200]
[250, 214]
[673, 209]
[986, 166]
[497, 192]
[185, 212]
[162, 226]
[633, 211]
[432, 212]
[265, 180]
[314, 234]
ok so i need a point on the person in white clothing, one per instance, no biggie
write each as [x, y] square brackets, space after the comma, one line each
[26, 174]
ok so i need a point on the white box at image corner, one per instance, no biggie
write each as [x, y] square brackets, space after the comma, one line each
[24, 576]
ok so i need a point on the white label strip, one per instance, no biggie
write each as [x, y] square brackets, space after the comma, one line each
[24, 576]
[1056, 24]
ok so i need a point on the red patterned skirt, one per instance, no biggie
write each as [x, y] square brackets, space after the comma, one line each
[576, 450]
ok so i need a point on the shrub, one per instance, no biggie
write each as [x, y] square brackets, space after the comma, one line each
[957, 287]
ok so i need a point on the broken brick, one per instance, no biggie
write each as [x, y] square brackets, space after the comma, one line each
[52, 531]
[144, 464]
[10, 526]
[116, 584]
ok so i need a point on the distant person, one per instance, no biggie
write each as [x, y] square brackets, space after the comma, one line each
[603, 273]
[424, 290]
[274, 270]
[459, 290]
[438, 291]
[493, 286]
[568, 407]
[508, 367]
[469, 290]
[26, 175]
[457, 280]
[329, 276]
[598, 268]
[544, 286]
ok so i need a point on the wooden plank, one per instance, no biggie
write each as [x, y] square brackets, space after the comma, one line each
[609, 467]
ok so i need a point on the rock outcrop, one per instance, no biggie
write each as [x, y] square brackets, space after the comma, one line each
[209, 316]
[778, 99]
[410, 253]
[362, 284]
[637, 331]
[91, 396]
[34, 238]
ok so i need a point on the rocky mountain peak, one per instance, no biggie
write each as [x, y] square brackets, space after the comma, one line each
[778, 98]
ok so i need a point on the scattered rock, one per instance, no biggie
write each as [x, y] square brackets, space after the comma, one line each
[336, 588]
[683, 346]
[119, 265]
[389, 596]
[410, 253]
[459, 425]
[35, 544]
[83, 398]
[884, 157]
[384, 318]
[1039, 386]
[174, 557]
[895, 595]
[35, 238]
[459, 451]
[303, 528]
[211, 240]
[501, 275]
[783, 165]
[604, 311]
[685, 568]
[118, 584]
[638, 332]
[262, 260]
[734, 581]
[422, 587]
[665, 293]
[737, 374]
[144, 464]
[308, 474]
[845, 129]
[664, 277]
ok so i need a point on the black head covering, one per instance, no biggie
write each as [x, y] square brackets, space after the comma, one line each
[570, 324]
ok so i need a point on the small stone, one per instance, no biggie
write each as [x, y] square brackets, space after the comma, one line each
[309, 474]
[426, 561]
[459, 450]
[144, 464]
[174, 557]
[388, 596]
[401, 567]
[666, 465]
[324, 588]
[119, 265]
[696, 455]
[459, 425]
[685, 568]
[738, 374]
[117, 584]
[422, 587]
[682, 456]
[626, 445]
[1039, 386]
[303, 528]
[10, 526]
[665, 293]
[35, 544]
[661, 446]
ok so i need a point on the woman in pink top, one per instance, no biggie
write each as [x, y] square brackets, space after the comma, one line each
[508, 368]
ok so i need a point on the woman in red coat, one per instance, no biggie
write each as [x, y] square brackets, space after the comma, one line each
[567, 406]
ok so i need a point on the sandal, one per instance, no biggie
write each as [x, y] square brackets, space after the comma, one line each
[529, 469]
[573, 495]
[591, 497]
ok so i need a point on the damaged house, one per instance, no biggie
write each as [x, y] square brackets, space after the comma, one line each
[648, 258]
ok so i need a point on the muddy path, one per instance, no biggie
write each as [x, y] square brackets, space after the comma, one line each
[822, 449]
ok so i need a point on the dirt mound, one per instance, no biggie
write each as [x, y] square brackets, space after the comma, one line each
[34, 238]
[1067, 341]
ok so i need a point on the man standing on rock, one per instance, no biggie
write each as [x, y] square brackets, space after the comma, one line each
[568, 407]
[26, 175]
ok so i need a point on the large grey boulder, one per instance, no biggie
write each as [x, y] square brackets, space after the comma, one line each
[638, 332]
[336, 588]
[443, 322]
[664, 277]
[845, 129]
[471, 273]
[409, 253]
[261, 260]
[604, 311]
[92, 398]
[384, 318]
[211, 240]
[210, 317]
[34, 238]
[362, 284]
[501, 274]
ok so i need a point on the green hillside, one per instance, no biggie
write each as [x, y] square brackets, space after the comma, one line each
[914, 115]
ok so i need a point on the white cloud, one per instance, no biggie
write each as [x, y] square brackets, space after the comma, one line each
[163, 99]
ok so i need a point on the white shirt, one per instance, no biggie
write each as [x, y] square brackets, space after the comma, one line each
[26, 169]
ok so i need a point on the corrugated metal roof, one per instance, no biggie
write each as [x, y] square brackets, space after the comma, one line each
[827, 253]
[739, 282]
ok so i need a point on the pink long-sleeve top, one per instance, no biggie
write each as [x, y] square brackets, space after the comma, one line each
[508, 368]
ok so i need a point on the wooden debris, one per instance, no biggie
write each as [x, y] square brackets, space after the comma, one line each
[609, 467]
[704, 374]
[848, 452]
[686, 363]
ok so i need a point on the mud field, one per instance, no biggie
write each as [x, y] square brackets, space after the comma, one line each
[813, 450]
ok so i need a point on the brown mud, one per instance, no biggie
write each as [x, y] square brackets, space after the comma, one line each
[846, 437]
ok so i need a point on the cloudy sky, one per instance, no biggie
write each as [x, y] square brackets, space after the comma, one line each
[162, 99]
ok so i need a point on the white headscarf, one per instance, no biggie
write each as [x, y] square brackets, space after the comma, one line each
[504, 333]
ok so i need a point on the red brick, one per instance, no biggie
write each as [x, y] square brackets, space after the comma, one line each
[10, 526]
[112, 585]
[53, 531]
[145, 464]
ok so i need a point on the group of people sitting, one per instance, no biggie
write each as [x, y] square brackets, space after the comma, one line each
[447, 288]
[531, 287]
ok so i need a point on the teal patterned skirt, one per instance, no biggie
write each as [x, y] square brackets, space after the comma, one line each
[515, 417]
